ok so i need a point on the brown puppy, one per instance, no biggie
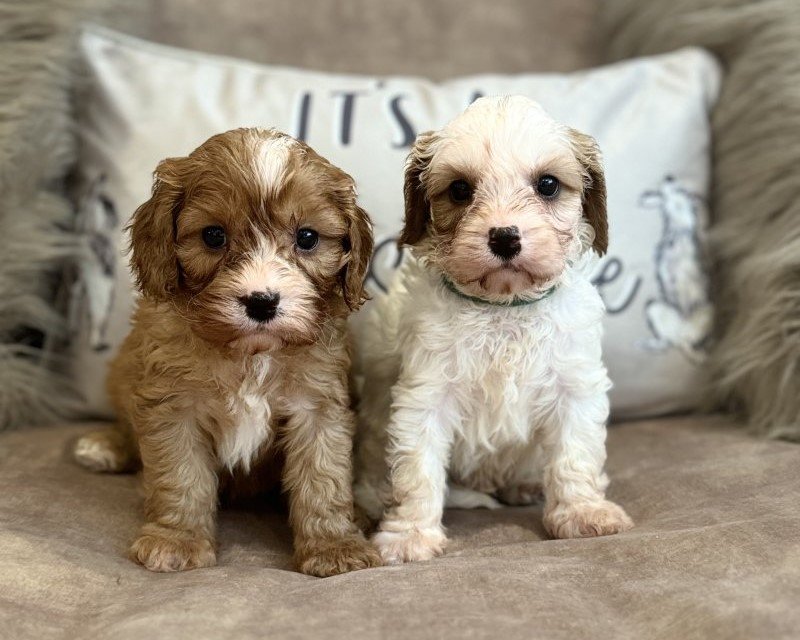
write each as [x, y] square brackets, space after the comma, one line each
[249, 256]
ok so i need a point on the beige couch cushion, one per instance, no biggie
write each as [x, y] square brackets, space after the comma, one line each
[715, 554]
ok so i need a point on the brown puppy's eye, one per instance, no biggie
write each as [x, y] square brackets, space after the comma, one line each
[306, 239]
[460, 191]
[214, 237]
[548, 186]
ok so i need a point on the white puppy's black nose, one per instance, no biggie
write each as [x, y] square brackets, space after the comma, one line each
[504, 242]
[261, 306]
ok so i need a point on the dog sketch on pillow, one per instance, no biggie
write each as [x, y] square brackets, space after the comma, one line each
[484, 380]
[92, 292]
[681, 318]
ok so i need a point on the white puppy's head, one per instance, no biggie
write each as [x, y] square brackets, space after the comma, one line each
[503, 198]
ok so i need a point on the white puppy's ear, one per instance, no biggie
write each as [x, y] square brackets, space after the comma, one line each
[417, 205]
[594, 190]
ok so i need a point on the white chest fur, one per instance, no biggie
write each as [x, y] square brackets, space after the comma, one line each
[500, 378]
[502, 371]
[246, 402]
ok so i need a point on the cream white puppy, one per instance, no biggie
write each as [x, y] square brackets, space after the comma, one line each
[483, 362]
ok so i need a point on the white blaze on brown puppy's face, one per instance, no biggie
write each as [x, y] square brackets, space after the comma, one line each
[501, 200]
[254, 238]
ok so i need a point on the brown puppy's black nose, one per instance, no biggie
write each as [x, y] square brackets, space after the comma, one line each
[504, 242]
[261, 306]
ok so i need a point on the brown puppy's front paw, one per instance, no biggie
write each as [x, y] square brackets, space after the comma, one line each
[166, 550]
[586, 520]
[327, 557]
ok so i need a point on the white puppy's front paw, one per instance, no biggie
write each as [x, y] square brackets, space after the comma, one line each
[586, 520]
[411, 545]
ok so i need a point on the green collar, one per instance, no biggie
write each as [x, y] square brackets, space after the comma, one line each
[516, 302]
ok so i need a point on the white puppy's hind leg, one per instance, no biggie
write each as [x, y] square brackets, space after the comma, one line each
[521, 494]
[459, 497]
[523, 484]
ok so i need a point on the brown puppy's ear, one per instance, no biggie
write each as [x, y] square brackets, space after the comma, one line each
[594, 191]
[152, 234]
[358, 244]
[418, 208]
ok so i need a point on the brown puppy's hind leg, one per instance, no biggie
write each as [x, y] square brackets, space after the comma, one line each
[110, 450]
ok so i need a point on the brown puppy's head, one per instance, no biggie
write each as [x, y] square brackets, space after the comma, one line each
[504, 198]
[254, 238]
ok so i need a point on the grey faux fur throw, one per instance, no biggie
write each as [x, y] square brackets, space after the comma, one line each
[37, 153]
[755, 365]
[36, 149]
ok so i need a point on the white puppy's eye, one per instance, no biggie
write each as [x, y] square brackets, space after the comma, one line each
[306, 239]
[548, 186]
[460, 191]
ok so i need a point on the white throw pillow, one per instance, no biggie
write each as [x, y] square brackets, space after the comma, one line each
[650, 117]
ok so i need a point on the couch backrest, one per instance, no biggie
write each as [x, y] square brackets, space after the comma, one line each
[434, 38]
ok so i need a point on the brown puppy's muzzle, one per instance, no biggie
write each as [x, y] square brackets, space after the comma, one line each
[261, 306]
